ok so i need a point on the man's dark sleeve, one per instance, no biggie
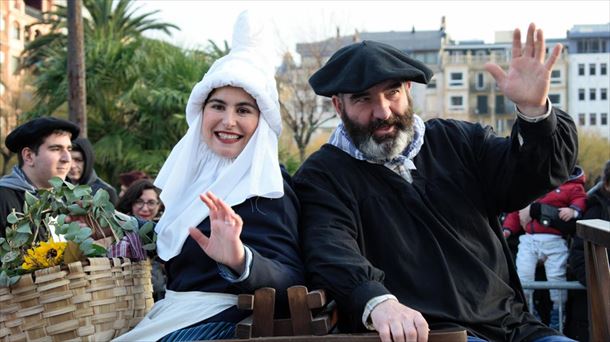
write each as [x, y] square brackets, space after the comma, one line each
[537, 158]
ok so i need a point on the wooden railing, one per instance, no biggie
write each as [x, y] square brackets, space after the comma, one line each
[596, 238]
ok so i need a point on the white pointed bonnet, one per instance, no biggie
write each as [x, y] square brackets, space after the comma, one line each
[192, 168]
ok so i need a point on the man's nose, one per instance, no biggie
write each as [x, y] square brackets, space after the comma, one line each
[66, 156]
[382, 110]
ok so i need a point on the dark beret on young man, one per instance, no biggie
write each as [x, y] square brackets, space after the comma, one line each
[359, 66]
[23, 135]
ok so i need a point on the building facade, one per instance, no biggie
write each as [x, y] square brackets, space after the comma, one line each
[462, 89]
[425, 45]
[470, 93]
[589, 84]
[16, 16]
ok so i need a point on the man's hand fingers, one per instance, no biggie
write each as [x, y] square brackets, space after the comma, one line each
[409, 331]
[198, 236]
[422, 328]
[517, 43]
[384, 333]
[553, 57]
[496, 72]
[540, 50]
[529, 41]
[398, 333]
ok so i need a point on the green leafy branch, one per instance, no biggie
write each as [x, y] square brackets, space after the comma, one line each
[69, 210]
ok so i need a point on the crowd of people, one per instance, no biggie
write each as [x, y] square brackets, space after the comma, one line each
[396, 218]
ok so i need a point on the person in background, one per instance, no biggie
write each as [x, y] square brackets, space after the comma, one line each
[127, 178]
[82, 172]
[399, 219]
[598, 207]
[224, 178]
[546, 221]
[43, 148]
[141, 200]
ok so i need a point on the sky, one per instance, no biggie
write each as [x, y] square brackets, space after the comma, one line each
[306, 21]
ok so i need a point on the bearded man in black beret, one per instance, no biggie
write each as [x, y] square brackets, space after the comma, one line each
[399, 217]
[43, 148]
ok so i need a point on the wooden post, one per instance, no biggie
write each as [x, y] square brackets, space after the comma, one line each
[77, 93]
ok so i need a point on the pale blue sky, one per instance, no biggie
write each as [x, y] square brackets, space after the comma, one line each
[296, 21]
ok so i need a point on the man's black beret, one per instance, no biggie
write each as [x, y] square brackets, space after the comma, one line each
[359, 66]
[23, 135]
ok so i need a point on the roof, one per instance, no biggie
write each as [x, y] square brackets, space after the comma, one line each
[408, 41]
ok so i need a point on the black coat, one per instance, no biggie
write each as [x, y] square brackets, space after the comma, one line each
[9, 199]
[436, 243]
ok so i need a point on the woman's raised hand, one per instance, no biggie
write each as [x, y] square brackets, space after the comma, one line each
[223, 245]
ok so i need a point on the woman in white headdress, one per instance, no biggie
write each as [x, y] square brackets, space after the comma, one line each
[224, 178]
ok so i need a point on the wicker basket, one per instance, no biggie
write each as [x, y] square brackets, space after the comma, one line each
[87, 301]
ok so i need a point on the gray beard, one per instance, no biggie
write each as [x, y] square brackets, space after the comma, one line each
[386, 149]
[389, 149]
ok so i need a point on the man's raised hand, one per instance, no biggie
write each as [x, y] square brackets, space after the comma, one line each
[528, 78]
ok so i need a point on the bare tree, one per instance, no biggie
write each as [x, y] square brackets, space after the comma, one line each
[303, 112]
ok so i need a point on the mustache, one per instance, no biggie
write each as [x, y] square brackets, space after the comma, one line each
[393, 120]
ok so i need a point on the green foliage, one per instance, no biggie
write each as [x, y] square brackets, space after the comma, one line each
[592, 155]
[137, 88]
[290, 161]
[49, 211]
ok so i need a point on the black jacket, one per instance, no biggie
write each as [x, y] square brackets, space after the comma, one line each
[89, 177]
[435, 243]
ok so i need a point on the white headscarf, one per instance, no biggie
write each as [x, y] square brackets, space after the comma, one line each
[192, 168]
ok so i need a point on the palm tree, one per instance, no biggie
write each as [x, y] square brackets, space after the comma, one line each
[103, 18]
[133, 96]
[152, 119]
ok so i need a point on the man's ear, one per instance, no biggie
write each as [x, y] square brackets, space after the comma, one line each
[408, 85]
[27, 154]
[338, 104]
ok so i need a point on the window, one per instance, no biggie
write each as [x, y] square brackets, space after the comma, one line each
[15, 65]
[603, 119]
[456, 79]
[592, 119]
[555, 99]
[592, 69]
[500, 106]
[581, 94]
[592, 45]
[592, 94]
[581, 69]
[482, 104]
[480, 81]
[581, 119]
[603, 94]
[457, 101]
[555, 76]
[603, 69]
[16, 31]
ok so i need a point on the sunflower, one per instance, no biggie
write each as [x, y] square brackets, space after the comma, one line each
[44, 255]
